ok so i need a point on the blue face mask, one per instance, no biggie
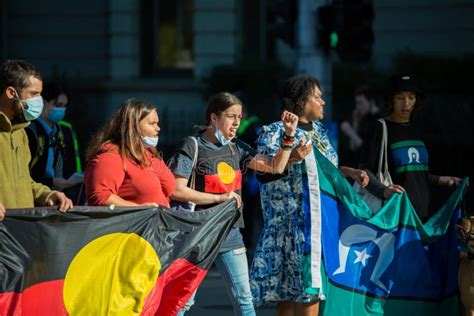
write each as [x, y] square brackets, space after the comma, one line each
[35, 107]
[224, 141]
[56, 114]
[151, 141]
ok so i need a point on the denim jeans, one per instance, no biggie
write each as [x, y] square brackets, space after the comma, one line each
[233, 267]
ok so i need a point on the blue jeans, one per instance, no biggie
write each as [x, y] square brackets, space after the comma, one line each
[233, 267]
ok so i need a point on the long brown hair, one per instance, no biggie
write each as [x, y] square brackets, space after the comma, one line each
[123, 130]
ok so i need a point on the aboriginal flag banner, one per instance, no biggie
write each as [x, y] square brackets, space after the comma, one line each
[97, 261]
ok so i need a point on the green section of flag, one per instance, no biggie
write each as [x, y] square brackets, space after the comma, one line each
[306, 270]
[397, 211]
[345, 302]
[449, 306]
[407, 143]
[412, 168]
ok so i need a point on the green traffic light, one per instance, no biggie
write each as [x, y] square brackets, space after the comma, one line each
[333, 39]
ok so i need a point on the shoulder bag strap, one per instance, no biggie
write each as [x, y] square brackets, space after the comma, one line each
[192, 180]
[383, 147]
[384, 174]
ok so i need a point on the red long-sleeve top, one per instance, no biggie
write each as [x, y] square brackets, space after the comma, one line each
[107, 174]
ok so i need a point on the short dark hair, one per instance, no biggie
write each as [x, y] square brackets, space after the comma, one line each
[15, 73]
[219, 102]
[296, 92]
[52, 89]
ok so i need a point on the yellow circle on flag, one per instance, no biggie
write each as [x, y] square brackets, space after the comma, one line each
[111, 275]
[226, 172]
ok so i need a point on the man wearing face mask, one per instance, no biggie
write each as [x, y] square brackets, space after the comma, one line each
[21, 102]
[55, 155]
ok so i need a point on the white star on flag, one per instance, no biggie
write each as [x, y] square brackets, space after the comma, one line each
[362, 256]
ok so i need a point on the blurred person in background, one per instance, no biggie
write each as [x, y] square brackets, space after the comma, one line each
[247, 132]
[53, 145]
[360, 128]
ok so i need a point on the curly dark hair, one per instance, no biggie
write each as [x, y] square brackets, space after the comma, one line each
[296, 92]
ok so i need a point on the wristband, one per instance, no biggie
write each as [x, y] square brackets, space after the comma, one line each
[288, 137]
[286, 147]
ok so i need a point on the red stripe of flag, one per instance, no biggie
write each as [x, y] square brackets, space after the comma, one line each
[175, 285]
[45, 298]
[213, 184]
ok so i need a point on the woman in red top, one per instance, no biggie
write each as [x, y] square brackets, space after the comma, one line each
[124, 167]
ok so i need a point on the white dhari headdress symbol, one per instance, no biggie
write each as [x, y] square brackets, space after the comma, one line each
[360, 233]
[413, 155]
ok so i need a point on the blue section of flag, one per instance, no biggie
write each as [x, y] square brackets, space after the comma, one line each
[366, 259]
[410, 156]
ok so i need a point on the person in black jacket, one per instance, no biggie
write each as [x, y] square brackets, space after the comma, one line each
[358, 130]
[408, 160]
[54, 154]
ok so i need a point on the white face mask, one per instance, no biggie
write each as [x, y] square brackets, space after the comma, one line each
[151, 141]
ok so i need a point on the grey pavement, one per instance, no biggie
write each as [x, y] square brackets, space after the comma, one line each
[212, 299]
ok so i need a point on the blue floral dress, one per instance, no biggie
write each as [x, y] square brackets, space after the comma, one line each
[276, 268]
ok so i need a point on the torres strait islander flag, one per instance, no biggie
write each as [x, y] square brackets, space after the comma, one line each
[94, 261]
[388, 263]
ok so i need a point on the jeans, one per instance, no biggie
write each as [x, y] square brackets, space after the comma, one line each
[233, 267]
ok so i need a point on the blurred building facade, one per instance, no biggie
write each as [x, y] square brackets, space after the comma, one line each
[162, 51]
[425, 27]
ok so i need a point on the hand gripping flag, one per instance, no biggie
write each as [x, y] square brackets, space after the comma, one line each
[94, 261]
[388, 263]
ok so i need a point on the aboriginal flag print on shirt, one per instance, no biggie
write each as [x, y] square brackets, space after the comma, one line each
[93, 261]
[219, 170]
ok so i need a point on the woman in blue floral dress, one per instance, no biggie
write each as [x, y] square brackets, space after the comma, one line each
[276, 274]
